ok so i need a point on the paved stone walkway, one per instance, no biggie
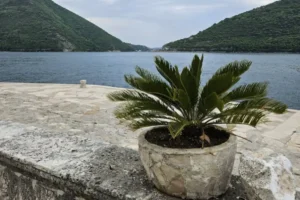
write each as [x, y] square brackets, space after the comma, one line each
[75, 111]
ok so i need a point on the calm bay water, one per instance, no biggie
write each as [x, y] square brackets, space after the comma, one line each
[282, 71]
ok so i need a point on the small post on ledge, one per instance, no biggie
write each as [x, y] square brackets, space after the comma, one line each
[83, 84]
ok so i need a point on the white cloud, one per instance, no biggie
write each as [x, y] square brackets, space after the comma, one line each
[257, 2]
[192, 8]
[110, 2]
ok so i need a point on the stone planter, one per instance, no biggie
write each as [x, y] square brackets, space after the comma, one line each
[189, 173]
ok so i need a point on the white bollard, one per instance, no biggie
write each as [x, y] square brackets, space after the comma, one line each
[83, 84]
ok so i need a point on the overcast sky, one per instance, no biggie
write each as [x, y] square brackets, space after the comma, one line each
[157, 22]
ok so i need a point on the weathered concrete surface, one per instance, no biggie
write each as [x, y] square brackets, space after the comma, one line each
[267, 175]
[93, 169]
[189, 173]
[289, 145]
[86, 112]
[36, 164]
[67, 108]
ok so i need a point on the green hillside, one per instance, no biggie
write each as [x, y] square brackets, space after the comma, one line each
[42, 25]
[271, 28]
[139, 47]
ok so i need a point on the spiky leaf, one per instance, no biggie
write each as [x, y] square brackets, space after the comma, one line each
[190, 86]
[213, 101]
[266, 104]
[147, 75]
[218, 84]
[176, 128]
[132, 109]
[170, 73]
[182, 99]
[176, 100]
[247, 91]
[196, 69]
[233, 116]
[145, 122]
[235, 68]
[156, 88]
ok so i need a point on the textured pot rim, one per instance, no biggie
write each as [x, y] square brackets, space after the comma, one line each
[142, 142]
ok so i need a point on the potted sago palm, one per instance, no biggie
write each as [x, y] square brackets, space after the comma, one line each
[185, 152]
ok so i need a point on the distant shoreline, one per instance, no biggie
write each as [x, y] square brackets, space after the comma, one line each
[224, 52]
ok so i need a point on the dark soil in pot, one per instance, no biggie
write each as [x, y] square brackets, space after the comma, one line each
[190, 137]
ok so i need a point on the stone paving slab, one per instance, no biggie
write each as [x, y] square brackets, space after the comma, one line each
[283, 131]
[75, 111]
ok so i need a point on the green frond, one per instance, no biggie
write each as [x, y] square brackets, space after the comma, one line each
[266, 104]
[218, 84]
[170, 73]
[147, 75]
[142, 114]
[247, 91]
[246, 117]
[130, 109]
[200, 109]
[175, 128]
[183, 100]
[235, 68]
[147, 101]
[176, 100]
[133, 81]
[154, 87]
[213, 101]
[196, 69]
[129, 95]
[145, 122]
[190, 86]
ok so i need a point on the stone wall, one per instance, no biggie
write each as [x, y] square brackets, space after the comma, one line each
[22, 181]
[15, 185]
[37, 164]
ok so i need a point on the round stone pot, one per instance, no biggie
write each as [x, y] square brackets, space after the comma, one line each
[189, 173]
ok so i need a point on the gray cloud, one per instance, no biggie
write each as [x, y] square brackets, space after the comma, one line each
[156, 22]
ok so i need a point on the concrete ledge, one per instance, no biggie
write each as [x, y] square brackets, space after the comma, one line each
[89, 169]
[45, 165]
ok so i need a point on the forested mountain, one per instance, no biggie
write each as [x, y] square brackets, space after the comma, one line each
[271, 28]
[42, 25]
[139, 47]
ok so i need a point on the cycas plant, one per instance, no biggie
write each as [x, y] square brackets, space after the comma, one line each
[177, 100]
